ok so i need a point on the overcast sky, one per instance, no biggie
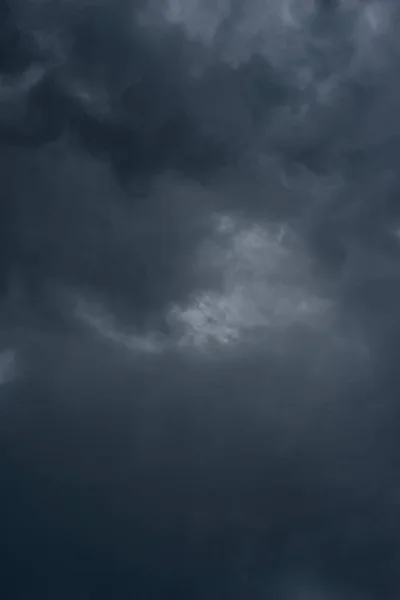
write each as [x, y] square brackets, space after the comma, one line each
[200, 292]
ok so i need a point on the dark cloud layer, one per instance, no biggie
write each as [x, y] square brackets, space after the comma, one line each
[199, 278]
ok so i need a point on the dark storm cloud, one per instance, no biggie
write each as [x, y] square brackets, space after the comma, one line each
[199, 261]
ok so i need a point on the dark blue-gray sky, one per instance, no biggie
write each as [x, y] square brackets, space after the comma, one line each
[199, 272]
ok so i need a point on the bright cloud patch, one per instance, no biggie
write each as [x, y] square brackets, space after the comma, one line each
[8, 366]
[266, 286]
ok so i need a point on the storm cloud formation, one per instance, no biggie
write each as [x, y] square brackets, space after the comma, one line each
[200, 290]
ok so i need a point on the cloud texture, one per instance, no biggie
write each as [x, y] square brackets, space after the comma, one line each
[199, 277]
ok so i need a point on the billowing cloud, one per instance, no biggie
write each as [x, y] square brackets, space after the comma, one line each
[199, 277]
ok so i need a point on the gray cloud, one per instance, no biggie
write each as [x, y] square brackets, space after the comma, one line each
[199, 313]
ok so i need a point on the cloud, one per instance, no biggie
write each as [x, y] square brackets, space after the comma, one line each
[257, 291]
[199, 277]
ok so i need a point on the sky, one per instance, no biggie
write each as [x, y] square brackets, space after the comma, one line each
[199, 300]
